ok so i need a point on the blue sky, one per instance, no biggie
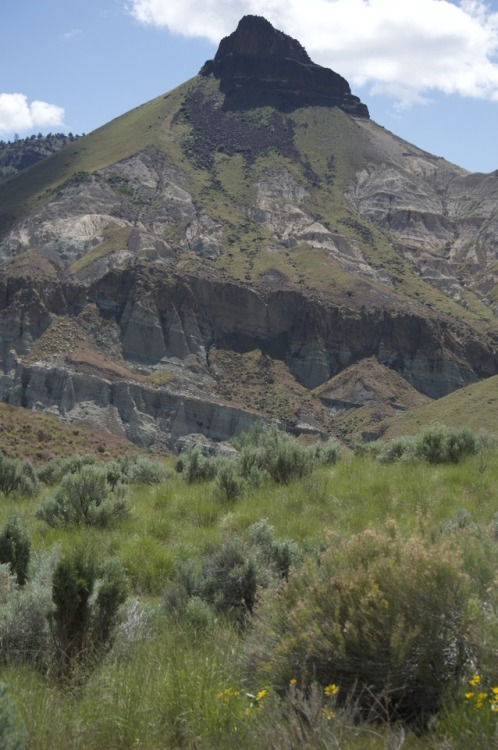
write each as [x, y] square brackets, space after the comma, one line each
[427, 69]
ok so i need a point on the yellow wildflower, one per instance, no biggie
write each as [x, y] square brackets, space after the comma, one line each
[293, 682]
[327, 713]
[475, 680]
[479, 699]
[469, 696]
[262, 694]
[331, 690]
[226, 695]
[494, 690]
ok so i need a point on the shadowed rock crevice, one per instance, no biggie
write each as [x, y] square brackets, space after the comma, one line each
[259, 61]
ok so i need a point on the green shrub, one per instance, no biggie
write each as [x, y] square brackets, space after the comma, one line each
[326, 453]
[198, 614]
[432, 444]
[252, 462]
[86, 598]
[28, 483]
[371, 448]
[288, 460]
[228, 483]
[17, 476]
[85, 497]
[401, 448]
[13, 735]
[144, 471]
[276, 453]
[437, 445]
[196, 467]
[273, 556]
[228, 580]
[24, 632]
[15, 549]
[384, 618]
[110, 593]
[10, 473]
[461, 442]
[55, 470]
[115, 472]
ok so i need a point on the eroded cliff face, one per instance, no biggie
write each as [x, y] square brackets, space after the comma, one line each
[132, 351]
[444, 219]
[154, 418]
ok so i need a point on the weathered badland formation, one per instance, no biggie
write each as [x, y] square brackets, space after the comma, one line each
[251, 245]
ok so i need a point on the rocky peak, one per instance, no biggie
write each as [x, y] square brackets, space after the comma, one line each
[256, 36]
[256, 57]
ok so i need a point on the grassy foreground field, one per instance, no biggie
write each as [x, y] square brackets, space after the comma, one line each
[227, 636]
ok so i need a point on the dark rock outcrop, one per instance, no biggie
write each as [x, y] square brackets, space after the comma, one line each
[257, 57]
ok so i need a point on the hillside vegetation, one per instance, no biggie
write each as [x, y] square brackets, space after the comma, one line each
[29, 435]
[473, 406]
[25, 152]
[285, 596]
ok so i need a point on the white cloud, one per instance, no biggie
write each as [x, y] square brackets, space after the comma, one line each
[403, 48]
[17, 114]
[72, 33]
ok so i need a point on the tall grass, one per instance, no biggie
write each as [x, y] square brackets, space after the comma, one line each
[160, 687]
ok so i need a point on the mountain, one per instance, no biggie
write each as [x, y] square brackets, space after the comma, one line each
[224, 252]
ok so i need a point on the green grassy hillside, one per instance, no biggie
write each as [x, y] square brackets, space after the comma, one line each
[475, 406]
[143, 126]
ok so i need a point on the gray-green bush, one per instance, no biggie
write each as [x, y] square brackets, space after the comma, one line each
[15, 548]
[437, 445]
[274, 556]
[85, 498]
[86, 597]
[326, 453]
[276, 453]
[24, 631]
[17, 476]
[228, 484]
[196, 467]
[227, 579]
[385, 618]
[55, 470]
[401, 448]
[144, 471]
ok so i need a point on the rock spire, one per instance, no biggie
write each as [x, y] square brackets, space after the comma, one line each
[258, 57]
